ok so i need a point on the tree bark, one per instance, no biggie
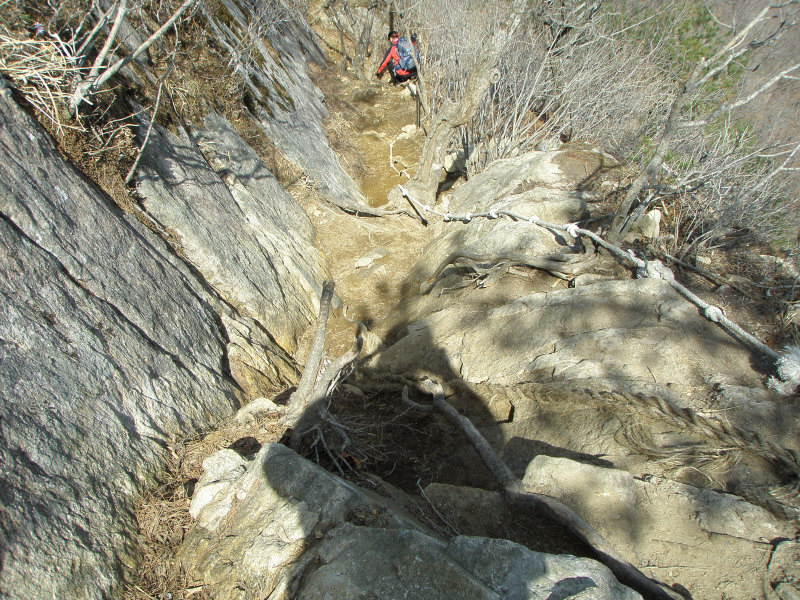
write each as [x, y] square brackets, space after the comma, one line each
[299, 398]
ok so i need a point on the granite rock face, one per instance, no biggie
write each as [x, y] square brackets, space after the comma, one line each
[537, 183]
[245, 235]
[629, 330]
[109, 345]
[283, 99]
[612, 330]
[610, 378]
[115, 338]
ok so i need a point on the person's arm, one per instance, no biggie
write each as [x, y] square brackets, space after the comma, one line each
[385, 60]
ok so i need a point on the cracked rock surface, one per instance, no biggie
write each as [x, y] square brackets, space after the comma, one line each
[108, 345]
[283, 523]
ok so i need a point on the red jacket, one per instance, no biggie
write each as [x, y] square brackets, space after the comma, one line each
[394, 57]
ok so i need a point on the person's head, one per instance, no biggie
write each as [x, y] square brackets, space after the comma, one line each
[393, 36]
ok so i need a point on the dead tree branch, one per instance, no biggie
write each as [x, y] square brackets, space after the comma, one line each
[299, 398]
[139, 155]
[97, 79]
[675, 125]
[315, 412]
[515, 494]
[557, 264]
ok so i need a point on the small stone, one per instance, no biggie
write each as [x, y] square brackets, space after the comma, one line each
[703, 261]
[259, 406]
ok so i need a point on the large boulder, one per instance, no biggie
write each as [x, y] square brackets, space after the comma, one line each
[628, 330]
[709, 544]
[686, 533]
[276, 522]
[553, 186]
[245, 234]
[109, 346]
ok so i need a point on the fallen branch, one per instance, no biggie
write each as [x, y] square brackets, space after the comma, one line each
[139, 155]
[710, 276]
[96, 80]
[513, 490]
[314, 411]
[299, 398]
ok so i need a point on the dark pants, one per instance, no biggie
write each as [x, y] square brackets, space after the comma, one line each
[401, 78]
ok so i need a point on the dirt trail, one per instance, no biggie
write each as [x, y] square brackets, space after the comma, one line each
[371, 258]
[372, 128]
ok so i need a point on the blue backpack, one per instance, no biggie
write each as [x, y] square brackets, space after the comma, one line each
[405, 49]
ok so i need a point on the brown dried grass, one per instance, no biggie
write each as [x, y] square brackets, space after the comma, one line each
[163, 513]
[41, 71]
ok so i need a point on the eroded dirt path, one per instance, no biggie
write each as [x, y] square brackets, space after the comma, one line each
[372, 128]
[371, 261]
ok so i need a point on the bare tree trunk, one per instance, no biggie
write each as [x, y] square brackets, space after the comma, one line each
[452, 115]
[362, 44]
[299, 398]
[668, 134]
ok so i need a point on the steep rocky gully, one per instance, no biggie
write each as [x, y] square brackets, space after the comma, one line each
[636, 449]
[148, 349]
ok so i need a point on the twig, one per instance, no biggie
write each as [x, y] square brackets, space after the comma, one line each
[81, 53]
[139, 155]
[435, 510]
[712, 277]
[122, 10]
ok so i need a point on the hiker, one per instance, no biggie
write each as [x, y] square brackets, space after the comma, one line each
[398, 60]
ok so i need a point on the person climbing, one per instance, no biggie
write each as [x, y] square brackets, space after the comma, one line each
[401, 58]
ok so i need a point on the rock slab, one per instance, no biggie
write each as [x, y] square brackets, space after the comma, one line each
[108, 346]
[283, 523]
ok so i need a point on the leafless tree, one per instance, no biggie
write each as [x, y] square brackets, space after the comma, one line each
[711, 171]
[571, 77]
[356, 26]
[463, 48]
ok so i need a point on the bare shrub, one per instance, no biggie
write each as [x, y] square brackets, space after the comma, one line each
[263, 18]
[721, 189]
[697, 152]
[594, 86]
[655, 83]
[41, 71]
